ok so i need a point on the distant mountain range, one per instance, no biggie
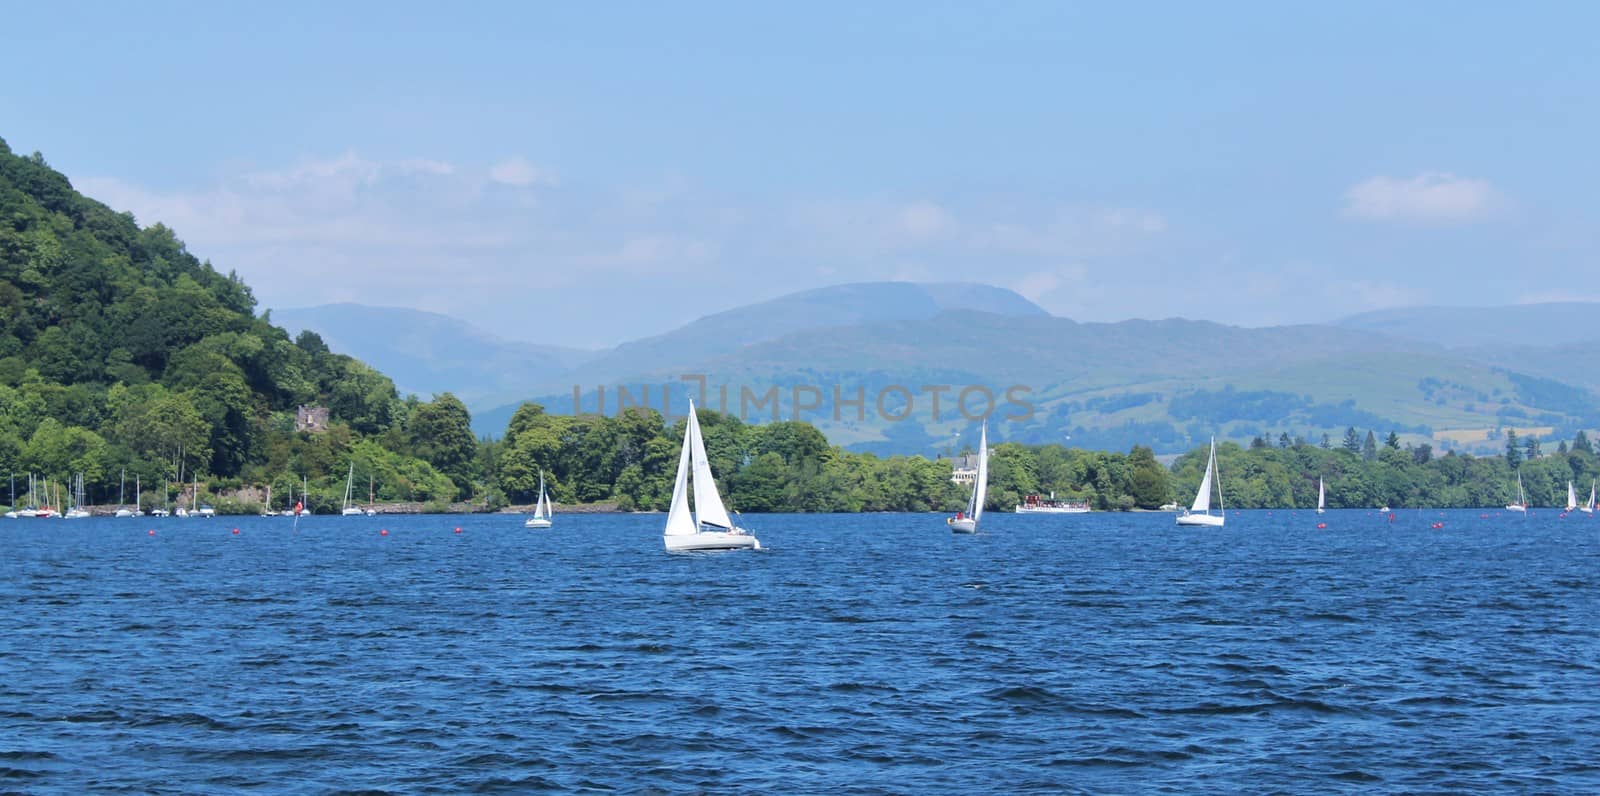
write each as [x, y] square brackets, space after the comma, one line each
[428, 353]
[1448, 376]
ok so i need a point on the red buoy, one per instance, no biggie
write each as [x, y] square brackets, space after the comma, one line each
[458, 530]
[152, 532]
[235, 531]
[384, 532]
[1321, 525]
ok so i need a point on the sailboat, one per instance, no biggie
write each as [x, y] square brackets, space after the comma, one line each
[1572, 498]
[709, 527]
[967, 521]
[122, 498]
[541, 509]
[33, 502]
[77, 512]
[166, 494]
[1200, 512]
[1322, 497]
[349, 510]
[1588, 508]
[1522, 498]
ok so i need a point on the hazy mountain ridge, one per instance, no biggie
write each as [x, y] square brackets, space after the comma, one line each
[1515, 325]
[1166, 382]
[427, 352]
[726, 333]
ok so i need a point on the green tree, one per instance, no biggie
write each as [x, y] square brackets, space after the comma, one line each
[1148, 484]
[1352, 440]
[441, 435]
[1513, 453]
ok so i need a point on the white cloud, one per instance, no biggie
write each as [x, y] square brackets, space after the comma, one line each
[519, 172]
[1074, 232]
[1432, 197]
[1558, 296]
[1372, 295]
[1037, 285]
[923, 219]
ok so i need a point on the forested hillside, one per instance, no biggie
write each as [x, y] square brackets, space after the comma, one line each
[120, 350]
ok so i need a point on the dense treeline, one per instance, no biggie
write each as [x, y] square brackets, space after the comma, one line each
[631, 459]
[120, 351]
[1362, 472]
[789, 466]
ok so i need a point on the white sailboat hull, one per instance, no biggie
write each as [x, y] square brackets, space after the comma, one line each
[353, 512]
[963, 525]
[536, 522]
[1025, 509]
[1514, 507]
[124, 513]
[1208, 520]
[711, 540]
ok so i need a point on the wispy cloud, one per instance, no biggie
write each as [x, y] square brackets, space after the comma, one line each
[1431, 197]
[521, 173]
[483, 240]
[1559, 296]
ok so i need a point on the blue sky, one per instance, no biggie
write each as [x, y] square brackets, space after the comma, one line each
[582, 174]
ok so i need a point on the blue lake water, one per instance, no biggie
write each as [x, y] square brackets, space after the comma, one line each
[856, 654]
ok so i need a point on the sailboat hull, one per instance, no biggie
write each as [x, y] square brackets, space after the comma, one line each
[536, 522]
[1207, 520]
[710, 540]
[1515, 507]
[963, 526]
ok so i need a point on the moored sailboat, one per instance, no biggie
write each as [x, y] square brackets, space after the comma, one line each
[1200, 512]
[122, 500]
[708, 527]
[1572, 498]
[1588, 508]
[349, 481]
[1322, 497]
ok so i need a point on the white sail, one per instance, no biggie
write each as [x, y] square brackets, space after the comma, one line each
[980, 489]
[1591, 495]
[1202, 499]
[708, 508]
[1322, 495]
[679, 522]
[541, 509]
[1572, 497]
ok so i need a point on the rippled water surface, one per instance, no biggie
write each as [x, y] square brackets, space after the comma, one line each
[866, 654]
